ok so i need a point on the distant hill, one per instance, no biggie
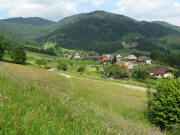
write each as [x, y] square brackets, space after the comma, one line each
[31, 21]
[168, 25]
[104, 32]
[24, 30]
[98, 31]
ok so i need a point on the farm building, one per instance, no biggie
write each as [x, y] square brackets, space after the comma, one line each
[160, 72]
[118, 58]
[130, 65]
[77, 57]
[144, 60]
[68, 55]
[107, 58]
[131, 58]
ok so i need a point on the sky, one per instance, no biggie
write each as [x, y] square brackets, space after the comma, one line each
[149, 10]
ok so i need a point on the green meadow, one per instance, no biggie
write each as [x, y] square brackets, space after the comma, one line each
[38, 102]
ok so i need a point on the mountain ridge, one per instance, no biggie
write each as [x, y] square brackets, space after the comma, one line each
[102, 31]
[99, 31]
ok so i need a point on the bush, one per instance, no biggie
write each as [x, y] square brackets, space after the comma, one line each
[81, 69]
[115, 71]
[164, 104]
[177, 74]
[140, 73]
[71, 63]
[18, 55]
[62, 66]
[97, 68]
[41, 62]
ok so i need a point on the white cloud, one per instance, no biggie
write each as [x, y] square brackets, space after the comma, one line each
[51, 9]
[168, 10]
[97, 3]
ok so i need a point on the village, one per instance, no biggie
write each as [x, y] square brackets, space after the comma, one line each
[129, 63]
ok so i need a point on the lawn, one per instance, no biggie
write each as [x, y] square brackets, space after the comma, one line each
[37, 102]
[49, 45]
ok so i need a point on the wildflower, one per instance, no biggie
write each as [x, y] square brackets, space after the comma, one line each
[108, 130]
[65, 117]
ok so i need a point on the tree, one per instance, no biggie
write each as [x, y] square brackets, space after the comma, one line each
[18, 55]
[177, 74]
[115, 71]
[1, 51]
[62, 66]
[164, 104]
[140, 73]
[114, 60]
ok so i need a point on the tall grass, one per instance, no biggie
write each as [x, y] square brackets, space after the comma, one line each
[37, 102]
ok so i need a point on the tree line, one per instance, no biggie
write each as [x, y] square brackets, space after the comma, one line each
[172, 59]
[17, 53]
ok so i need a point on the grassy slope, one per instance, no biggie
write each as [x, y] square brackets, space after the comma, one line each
[49, 45]
[35, 101]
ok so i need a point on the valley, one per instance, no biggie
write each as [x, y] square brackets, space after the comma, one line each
[96, 73]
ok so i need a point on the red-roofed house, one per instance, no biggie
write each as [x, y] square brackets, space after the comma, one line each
[122, 64]
[105, 60]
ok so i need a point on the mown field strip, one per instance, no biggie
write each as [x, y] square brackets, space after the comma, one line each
[124, 85]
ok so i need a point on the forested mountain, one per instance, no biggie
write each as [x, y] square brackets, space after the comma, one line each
[31, 21]
[104, 32]
[24, 30]
[98, 31]
[168, 25]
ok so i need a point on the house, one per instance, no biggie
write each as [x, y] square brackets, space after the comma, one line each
[95, 57]
[144, 60]
[131, 58]
[77, 56]
[118, 58]
[68, 55]
[160, 72]
[122, 64]
[107, 58]
[130, 65]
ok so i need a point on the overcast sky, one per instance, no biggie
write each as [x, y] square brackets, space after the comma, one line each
[166, 10]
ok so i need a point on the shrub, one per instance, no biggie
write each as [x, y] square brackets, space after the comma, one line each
[41, 62]
[164, 104]
[81, 69]
[18, 55]
[71, 63]
[97, 68]
[62, 66]
[140, 73]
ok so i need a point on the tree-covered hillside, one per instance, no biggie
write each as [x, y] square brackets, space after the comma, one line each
[104, 32]
[98, 31]
[31, 21]
[168, 25]
[24, 30]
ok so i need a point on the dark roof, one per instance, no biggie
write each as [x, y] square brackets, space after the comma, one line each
[143, 58]
[160, 70]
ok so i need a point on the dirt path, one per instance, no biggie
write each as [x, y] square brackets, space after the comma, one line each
[124, 85]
